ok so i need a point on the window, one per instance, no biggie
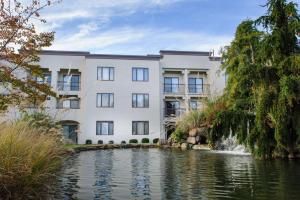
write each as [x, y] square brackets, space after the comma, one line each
[196, 85]
[194, 105]
[69, 83]
[105, 100]
[104, 128]
[105, 73]
[172, 108]
[140, 74]
[171, 84]
[46, 79]
[140, 100]
[140, 128]
[68, 104]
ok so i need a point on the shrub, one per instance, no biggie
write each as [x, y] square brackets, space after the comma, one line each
[133, 141]
[178, 135]
[145, 140]
[100, 141]
[88, 142]
[29, 161]
[123, 142]
[155, 140]
[110, 142]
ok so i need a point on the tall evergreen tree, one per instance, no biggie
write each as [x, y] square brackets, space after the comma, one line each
[263, 90]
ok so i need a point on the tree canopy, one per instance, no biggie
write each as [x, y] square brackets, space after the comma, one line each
[263, 87]
[19, 45]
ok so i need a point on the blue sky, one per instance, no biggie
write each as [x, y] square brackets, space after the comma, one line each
[147, 26]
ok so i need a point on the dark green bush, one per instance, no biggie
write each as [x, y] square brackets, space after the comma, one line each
[123, 142]
[133, 141]
[155, 140]
[88, 142]
[100, 141]
[145, 140]
[110, 142]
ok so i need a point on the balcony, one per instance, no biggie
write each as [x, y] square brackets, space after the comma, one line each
[69, 103]
[174, 88]
[193, 89]
[68, 86]
[174, 112]
[198, 89]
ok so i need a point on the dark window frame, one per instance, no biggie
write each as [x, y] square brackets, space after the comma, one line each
[135, 72]
[109, 95]
[145, 103]
[101, 77]
[100, 123]
[146, 127]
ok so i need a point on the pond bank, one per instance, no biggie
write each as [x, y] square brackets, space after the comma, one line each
[76, 148]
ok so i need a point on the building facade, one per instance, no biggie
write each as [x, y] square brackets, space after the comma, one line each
[121, 97]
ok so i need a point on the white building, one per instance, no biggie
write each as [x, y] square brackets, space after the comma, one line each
[122, 97]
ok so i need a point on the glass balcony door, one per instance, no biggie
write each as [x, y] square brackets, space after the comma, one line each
[172, 108]
[196, 85]
[171, 84]
[71, 82]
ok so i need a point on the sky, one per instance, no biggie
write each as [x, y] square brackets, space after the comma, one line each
[146, 26]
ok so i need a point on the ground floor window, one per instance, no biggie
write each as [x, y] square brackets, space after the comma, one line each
[104, 128]
[140, 128]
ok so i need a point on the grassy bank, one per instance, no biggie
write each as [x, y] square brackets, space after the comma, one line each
[29, 159]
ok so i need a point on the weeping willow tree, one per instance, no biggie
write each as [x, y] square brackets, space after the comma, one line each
[262, 95]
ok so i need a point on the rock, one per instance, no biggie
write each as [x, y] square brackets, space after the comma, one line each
[184, 146]
[176, 145]
[201, 147]
[193, 132]
[191, 140]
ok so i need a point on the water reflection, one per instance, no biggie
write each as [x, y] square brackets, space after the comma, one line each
[175, 174]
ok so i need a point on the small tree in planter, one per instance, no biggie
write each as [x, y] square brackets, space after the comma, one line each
[123, 142]
[88, 142]
[155, 140]
[100, 141]
[110, 142]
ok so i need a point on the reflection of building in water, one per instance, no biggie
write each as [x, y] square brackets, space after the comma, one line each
[103, 174]
[140, 185]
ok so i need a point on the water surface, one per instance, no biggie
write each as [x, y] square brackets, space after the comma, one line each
[176, 174]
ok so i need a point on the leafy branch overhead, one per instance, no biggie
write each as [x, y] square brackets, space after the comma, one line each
[20, 43]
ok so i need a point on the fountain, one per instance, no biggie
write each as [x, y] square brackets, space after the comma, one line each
[231, 146]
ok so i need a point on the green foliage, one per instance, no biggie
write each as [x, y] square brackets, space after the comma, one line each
[155, 140]
[263, 85]
[110, 142]
[191, 120]
[178, 135]
[123, 142]
[145, 140]
[43, 121]
[88, 142]
[133, 141]
[29, 161]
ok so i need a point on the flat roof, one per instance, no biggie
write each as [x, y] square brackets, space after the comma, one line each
[192, 53]
[88, 55]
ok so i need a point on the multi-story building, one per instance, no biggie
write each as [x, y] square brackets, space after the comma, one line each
[122, 97]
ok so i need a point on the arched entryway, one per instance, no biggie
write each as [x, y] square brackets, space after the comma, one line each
[70, 131]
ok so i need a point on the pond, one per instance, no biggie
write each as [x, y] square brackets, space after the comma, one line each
[176, 174]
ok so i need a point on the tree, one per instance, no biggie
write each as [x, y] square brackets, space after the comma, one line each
[263, 90]
[20, 43]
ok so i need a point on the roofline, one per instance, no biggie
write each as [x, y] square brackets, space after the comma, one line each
[123, 57]
[190, 53]
[64, 53]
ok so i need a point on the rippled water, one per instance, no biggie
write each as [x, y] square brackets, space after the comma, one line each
[175, 174]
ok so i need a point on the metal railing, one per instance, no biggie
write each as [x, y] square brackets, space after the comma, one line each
[68, 86]
[68, 104]
[174, 88]
[174, 112]
[192, 89]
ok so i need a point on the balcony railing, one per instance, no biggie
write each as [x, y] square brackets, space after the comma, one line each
[196, 89]
[174, 112]
[174, 88]
[68, 86]
[68, 104]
